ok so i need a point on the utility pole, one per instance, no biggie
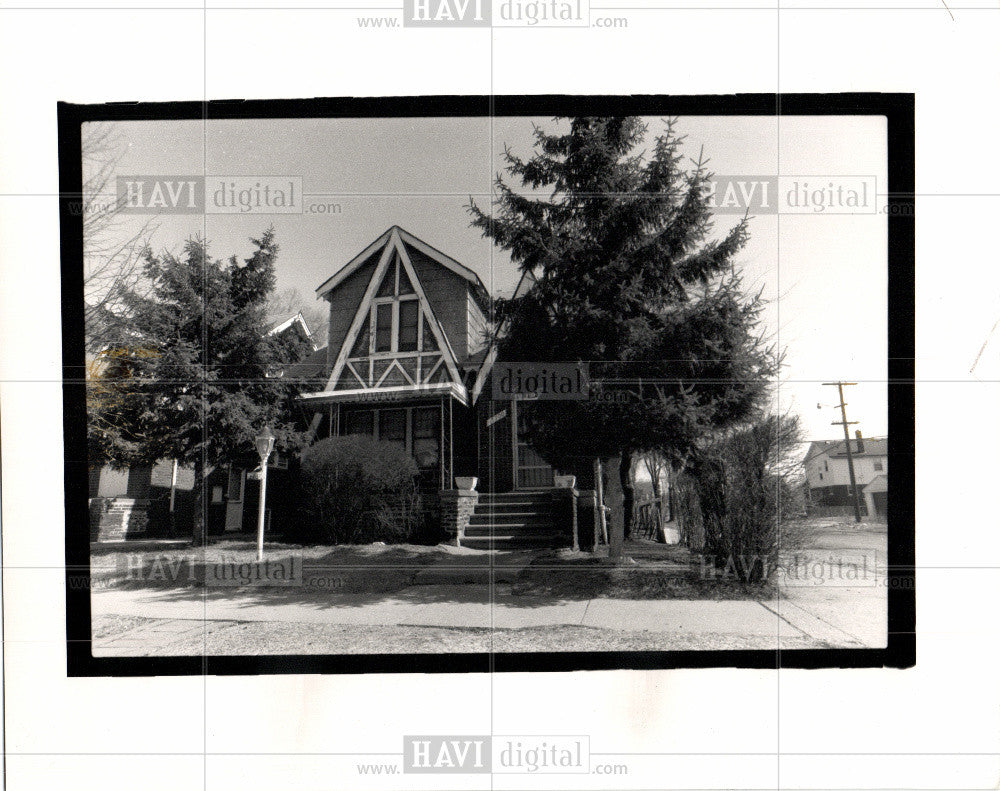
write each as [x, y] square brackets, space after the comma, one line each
[847, 442]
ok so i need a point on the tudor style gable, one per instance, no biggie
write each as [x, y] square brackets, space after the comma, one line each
[400, 336]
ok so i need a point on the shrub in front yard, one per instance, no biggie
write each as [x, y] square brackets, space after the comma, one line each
[357, 490]
[731, 495]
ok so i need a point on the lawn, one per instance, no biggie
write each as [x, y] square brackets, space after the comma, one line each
[650, 570]
[367, 568]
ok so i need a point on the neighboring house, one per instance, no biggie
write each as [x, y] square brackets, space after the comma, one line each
[291, 328]
[828, 478]
[876, 495]
[408, 362]
[158, 500]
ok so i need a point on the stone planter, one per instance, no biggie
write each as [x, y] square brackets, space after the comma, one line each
[467, 484]
[565, 481]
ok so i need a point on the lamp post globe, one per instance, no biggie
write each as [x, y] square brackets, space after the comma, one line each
[264, 443]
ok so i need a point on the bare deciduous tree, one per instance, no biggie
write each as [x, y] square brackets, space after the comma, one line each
[113, 242]
[656, 465]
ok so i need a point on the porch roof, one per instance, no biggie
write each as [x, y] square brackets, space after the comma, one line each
[381, 395]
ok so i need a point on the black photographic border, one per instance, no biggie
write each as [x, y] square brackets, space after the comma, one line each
[897, 108]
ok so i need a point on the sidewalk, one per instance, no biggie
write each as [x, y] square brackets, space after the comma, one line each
[441, 599]
[470, 607]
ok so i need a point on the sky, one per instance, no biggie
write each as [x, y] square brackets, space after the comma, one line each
[824, 275]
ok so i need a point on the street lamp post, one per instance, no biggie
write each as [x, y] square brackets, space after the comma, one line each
[265, 444]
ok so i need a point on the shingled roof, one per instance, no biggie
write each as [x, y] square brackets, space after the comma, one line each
[878, 446]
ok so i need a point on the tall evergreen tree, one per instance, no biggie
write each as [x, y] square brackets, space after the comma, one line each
[189, 375]
[631, 278]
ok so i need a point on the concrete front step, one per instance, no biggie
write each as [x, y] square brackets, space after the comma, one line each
[513, 520]
[512, 515]
[515, 517]
[509, 497]
[512, 529]
[519, 541]
[501, 499]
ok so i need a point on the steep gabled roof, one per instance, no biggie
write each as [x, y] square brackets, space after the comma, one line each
[282, 322]
[393, 248]
[446, 261]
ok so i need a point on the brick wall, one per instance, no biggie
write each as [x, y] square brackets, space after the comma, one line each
[457, 506]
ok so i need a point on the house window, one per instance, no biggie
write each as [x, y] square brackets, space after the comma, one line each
[392, 426]
[396, 313]
[878, 466]
[414, 429]
[360, 422]
[426, 437]
[826, 466]
[383, 327]
[409, 316]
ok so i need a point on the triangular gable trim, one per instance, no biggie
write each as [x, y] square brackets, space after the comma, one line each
[364, 309]
[394, 243]
[446, 261]
[484, 371]
[442, 340]
[394, 364]
[427, 376]
[361, 380]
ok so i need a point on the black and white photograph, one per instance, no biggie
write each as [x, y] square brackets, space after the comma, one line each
[528, 387]
[505, 395]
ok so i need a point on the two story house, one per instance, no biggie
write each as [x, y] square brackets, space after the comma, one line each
[828, 477]
[409, 360]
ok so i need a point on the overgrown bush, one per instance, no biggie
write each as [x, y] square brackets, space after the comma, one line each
[730, 497]
[358, 490]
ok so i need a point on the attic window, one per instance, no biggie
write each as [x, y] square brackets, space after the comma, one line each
[383, 327]
[409, 316]
[396, 313]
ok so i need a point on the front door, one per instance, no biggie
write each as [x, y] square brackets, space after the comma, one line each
[532, 472]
